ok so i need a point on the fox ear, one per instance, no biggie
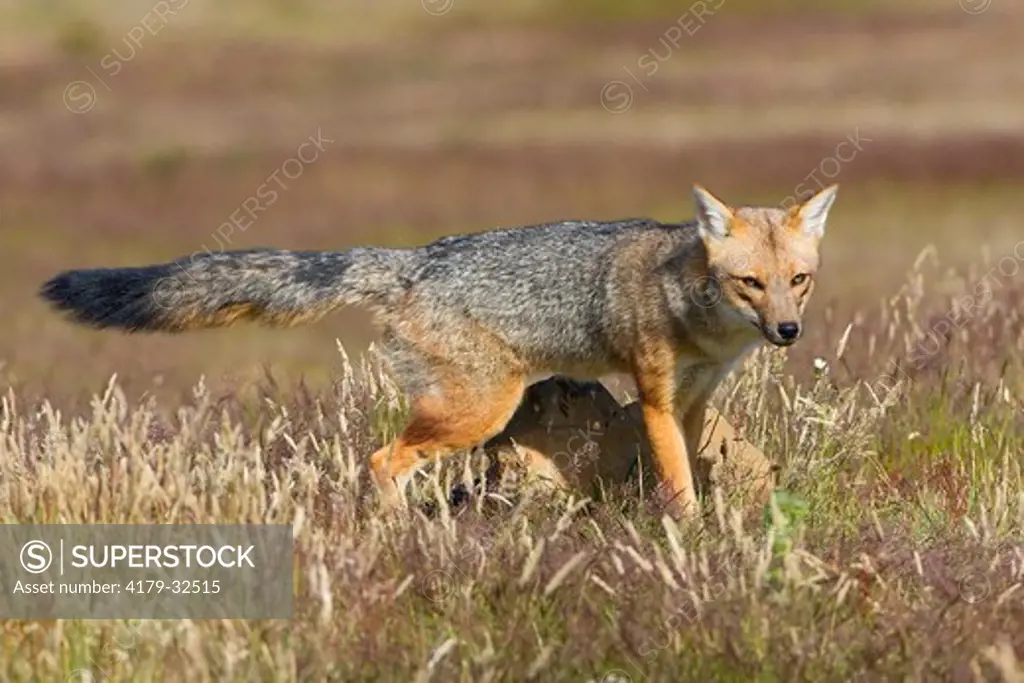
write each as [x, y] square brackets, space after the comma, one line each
[813, 213]
[713, 215]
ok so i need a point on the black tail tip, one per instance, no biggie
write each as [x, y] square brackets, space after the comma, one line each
[59, 290]
[101, 298]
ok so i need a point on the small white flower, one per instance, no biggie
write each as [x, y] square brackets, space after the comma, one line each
[820, 365]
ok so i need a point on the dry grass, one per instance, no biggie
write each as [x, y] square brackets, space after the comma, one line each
[893, 550]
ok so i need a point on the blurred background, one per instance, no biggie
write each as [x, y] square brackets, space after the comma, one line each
[138, 132]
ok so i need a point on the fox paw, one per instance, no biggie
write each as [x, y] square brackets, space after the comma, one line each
[680, 506]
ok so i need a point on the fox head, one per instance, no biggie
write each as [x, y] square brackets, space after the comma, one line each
[762, 261]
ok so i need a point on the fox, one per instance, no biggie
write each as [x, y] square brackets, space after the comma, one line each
[466, 321]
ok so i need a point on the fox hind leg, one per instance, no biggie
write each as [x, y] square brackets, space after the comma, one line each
[454, 406]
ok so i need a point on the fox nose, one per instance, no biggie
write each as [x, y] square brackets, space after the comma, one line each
[789, 330]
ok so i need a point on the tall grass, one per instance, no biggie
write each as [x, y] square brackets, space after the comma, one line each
[891, 551]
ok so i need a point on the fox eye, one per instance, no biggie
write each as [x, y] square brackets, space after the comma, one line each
[752, 282]
[799, 279]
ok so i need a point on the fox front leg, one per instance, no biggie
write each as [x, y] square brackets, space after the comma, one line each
[656, 382]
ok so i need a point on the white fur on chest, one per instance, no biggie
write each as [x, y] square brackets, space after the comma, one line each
[700, 376]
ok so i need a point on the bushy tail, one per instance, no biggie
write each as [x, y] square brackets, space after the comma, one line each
[271, 287]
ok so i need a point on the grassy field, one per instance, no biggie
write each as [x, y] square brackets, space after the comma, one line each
[894, 551]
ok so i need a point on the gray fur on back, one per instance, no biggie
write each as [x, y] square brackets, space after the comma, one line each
[544, 289]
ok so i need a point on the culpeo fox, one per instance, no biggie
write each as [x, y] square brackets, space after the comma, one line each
[468, 320]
